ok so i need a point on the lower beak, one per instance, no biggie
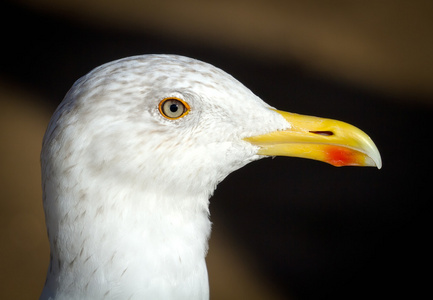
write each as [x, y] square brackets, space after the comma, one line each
[331, 141]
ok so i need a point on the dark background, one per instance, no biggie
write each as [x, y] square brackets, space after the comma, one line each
[284, 228]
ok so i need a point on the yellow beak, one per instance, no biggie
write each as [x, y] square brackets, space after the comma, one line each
[331, 141]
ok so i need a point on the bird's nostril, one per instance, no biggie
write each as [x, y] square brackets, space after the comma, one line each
[324, 133]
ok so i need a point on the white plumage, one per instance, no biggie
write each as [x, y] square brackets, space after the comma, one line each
[126, 186]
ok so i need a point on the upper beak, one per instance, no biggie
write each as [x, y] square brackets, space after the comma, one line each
[331, 141]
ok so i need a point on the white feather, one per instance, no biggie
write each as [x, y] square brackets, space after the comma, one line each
[126, 190]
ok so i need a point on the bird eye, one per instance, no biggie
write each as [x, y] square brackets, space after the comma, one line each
[173, 108]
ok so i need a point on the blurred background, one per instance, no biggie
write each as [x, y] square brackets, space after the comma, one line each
[283, 228]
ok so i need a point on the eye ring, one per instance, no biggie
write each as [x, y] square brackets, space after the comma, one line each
[173, 108]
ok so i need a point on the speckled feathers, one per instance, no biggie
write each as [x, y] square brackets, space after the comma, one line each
[126, 190]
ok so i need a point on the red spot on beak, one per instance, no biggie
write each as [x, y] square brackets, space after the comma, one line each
[339, 156]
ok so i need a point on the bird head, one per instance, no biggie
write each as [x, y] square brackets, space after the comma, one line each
[131, 156]
[150, 120]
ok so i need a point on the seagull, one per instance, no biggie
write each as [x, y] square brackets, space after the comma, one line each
[131, 157]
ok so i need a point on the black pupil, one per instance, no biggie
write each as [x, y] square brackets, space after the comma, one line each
[174, 107]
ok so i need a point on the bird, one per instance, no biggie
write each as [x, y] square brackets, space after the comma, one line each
[131, 157]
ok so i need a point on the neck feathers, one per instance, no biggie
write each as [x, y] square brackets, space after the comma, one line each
[111, 242]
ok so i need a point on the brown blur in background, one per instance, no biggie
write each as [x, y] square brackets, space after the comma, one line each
[283, 228]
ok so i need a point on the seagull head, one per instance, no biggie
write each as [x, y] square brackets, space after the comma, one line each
[137, 147]
[153, 120]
